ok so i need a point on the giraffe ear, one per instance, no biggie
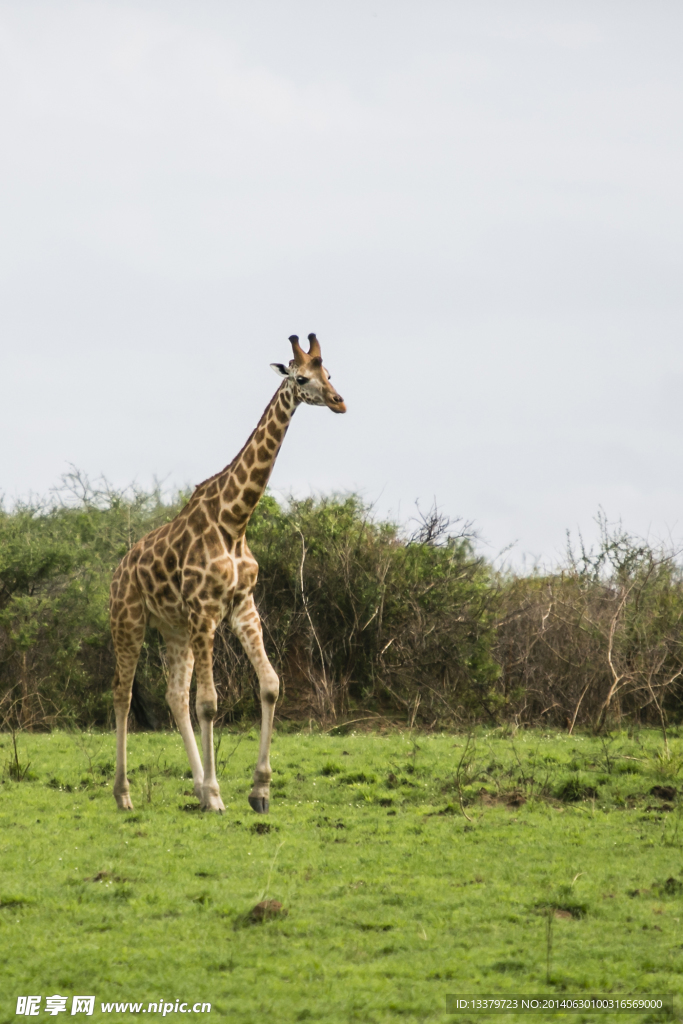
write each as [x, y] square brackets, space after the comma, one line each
[280, 369]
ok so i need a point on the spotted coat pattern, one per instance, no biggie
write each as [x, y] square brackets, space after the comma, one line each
[185, 577]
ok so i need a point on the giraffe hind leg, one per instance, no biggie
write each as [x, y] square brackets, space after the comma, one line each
[206, 704]
[126, 663]
[128, 621]
[180, 665]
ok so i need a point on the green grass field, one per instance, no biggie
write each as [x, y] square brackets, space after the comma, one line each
[567, 877]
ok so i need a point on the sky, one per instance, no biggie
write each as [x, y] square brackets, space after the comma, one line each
[476, 205]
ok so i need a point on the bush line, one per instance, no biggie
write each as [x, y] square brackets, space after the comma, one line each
[361, 620]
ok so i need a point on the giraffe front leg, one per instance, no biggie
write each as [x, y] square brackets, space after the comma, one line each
[207, 705]
[246, 625]
[259, 798]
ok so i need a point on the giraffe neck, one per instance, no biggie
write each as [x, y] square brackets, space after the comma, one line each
[231, 496]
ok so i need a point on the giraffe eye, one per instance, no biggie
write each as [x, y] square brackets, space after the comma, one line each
[302, 380]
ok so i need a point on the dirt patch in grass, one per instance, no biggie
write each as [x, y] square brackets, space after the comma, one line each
[267, 910]
[663, 792]
[262, 828]
[671, 887]
[573, 790]
[13, 902]
[563, 909]
[513, 798]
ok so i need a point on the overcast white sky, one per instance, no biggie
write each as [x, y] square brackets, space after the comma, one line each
[477, 206]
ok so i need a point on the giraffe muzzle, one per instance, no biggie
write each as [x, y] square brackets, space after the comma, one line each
[336, 403]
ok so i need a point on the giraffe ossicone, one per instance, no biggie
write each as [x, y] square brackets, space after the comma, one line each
[185, 577]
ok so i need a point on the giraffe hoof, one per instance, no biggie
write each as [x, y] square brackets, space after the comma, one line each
[260, 804]
[213, 803]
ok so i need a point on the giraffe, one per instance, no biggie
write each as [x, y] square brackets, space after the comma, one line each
[185, 577]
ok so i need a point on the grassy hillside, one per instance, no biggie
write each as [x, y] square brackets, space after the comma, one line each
[411, 867]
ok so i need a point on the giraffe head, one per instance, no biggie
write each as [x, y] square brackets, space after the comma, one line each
[308, 378]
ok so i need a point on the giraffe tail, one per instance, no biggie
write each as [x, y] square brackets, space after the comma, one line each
[143, 709]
